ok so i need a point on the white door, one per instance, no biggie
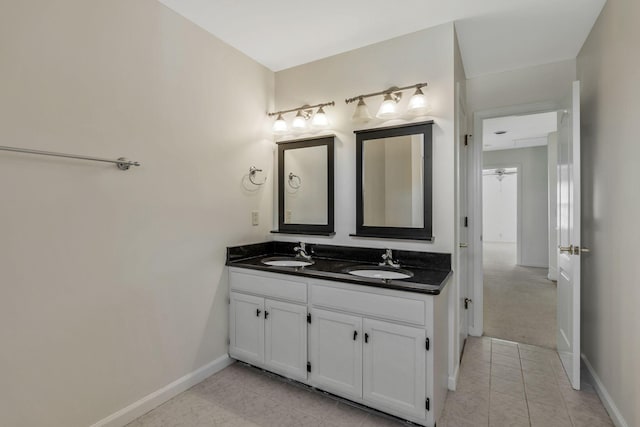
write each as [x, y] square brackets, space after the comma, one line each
[569, 236]
[394, 367]
[286, 338]
[247, 328]
[335, 347]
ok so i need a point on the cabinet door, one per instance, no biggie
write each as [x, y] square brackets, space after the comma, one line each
[286, 338]
[246, 326]
[394, 368]
[336, 353]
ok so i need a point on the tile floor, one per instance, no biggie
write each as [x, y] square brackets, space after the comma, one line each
[504, 384]
[501, 384]
[519, 302]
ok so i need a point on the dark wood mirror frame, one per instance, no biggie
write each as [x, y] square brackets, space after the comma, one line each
[312, 229]
[424, 233]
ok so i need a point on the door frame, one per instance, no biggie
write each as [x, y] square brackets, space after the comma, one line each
[476, 326]
[462, 288]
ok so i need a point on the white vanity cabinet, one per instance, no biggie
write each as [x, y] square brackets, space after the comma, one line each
[394, 367]
[381, 363]
[383, 348]
[335, 353]
[267, 332]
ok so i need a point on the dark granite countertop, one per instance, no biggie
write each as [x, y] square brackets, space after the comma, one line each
[430, 270]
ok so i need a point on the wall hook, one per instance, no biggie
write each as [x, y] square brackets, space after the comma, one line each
[252, 175]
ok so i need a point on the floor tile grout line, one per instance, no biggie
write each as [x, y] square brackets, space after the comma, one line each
[564, 402]
[490, 380]
[524, 386]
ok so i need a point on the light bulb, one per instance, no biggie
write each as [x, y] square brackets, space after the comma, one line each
[279, 126]
[388, 108]
[418, 104]
[320, 119]
[361, 115]
[299, 122]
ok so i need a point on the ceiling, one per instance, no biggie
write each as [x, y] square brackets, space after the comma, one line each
[494, 35]
[521, 131]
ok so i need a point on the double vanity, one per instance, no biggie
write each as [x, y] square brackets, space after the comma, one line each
[368, 325]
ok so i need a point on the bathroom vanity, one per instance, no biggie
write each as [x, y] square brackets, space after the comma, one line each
[378, 341]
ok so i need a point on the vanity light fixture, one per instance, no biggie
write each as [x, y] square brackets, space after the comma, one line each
[280, 126]
[387, 109]
[303, 113]
[418, 104]
[362, 114]
[300, 120]
[320, 119]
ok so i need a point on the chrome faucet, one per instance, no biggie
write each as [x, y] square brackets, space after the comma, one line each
[387, 260]
[301, 251]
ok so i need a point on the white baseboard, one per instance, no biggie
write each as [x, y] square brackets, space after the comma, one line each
[612, 409]
[475, 332]
[136, 409]
[453, 379]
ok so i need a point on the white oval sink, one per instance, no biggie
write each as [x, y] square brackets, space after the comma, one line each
[380, 273]
[287, 262]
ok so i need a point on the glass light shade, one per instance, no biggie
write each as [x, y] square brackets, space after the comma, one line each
[299, 122]
[419, 104]
[320, 119]
[361, 115]
[279, 126]
[388, 108]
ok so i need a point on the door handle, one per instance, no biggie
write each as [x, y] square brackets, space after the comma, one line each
[366, 338]
[577, 250]
[355, 335]
[464, 245]
[258, 311]
[568, 249]
[266, 314]
[467, 301]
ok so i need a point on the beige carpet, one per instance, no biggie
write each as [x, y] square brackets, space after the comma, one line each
[519, 302]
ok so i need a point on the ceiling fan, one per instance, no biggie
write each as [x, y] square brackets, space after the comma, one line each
[500, 173]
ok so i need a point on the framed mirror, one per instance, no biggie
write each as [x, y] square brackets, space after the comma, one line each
[305, 186]
[394, 182]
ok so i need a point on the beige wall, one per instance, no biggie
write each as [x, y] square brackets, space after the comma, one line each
[608, 67]
[549, 83]
[112, 283]
[424, 56]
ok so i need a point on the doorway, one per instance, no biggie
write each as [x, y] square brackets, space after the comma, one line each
[519, 299]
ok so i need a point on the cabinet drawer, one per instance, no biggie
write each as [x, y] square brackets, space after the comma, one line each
[369, 304]
[275, 286]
